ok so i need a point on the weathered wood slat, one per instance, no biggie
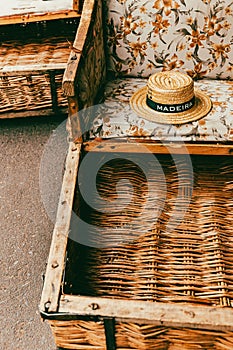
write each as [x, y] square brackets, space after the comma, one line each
[32, 68]
[137, 145]
[78, 46]
[55, 266]
[46, 112]
[28, 18]
[165, 314]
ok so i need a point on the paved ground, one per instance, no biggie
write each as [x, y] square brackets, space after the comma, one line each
[25, 233]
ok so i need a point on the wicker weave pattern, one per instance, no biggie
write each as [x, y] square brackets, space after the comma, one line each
[29, 91]
[18, 53]
[192, 263]
[81, 335]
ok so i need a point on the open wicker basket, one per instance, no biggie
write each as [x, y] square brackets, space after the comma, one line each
[32, 62]
[167, 284]
[170, 251]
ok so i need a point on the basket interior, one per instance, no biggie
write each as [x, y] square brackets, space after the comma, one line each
[160, 229]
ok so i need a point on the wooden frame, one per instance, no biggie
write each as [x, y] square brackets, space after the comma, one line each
[54, 272]
[130, 145]
[161, 314]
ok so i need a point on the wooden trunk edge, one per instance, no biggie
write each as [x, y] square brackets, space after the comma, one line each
[54, 271]
[132, 145]
[78, 46]
[166, 314]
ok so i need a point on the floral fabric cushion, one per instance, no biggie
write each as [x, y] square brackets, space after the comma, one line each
[193, 36]
[115, 119]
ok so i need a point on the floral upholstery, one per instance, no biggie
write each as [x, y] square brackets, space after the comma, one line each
[194, 36]
[115, 118]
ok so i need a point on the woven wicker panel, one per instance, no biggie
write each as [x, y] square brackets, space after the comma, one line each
[22, 93]
[46, 51]
[79, 335]
[83, 335]
[190, 263]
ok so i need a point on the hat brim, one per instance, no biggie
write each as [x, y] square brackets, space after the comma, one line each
[201, 107]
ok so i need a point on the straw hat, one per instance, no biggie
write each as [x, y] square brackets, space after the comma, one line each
[170, 98]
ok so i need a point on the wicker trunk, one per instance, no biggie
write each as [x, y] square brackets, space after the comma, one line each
[140, 273]
[165, 288]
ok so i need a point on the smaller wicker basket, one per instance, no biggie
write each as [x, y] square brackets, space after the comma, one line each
[31, 69]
